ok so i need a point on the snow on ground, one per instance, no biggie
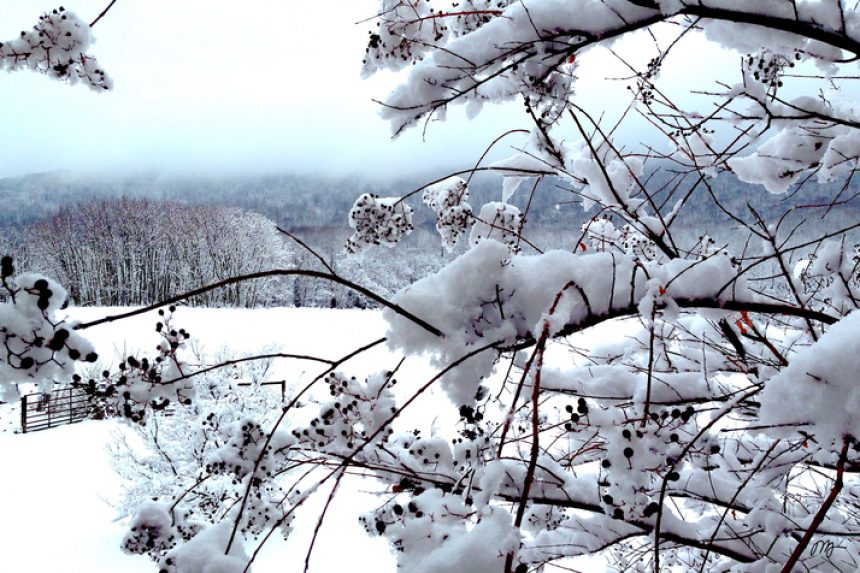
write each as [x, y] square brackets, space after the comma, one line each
[56, 512]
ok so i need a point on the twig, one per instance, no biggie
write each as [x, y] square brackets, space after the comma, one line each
[822, 511]
[308, 248]
[263, 274]
[317, 527]
[105, 11]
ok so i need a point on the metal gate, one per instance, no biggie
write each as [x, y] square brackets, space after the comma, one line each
[281, 383]
[43, 411]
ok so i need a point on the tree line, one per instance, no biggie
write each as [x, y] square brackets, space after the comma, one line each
[123, 252]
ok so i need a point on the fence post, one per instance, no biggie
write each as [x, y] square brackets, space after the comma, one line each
[24, 414]
[71, 420]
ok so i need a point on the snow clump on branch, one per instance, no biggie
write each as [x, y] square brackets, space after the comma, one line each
[39, 345]
[489, 295]
[56, 47]
[378, 221]
[453, 213]
[818, 390]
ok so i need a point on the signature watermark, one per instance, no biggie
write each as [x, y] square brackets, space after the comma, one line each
[824, 548]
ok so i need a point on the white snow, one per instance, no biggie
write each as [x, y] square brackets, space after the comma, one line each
[58, 484]
[819, 386]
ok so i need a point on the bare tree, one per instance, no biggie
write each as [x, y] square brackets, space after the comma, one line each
[130, 252]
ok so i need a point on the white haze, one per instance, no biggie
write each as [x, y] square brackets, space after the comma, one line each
[215, 87]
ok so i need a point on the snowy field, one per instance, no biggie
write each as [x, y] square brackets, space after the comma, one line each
[59, 487]
[59, 511]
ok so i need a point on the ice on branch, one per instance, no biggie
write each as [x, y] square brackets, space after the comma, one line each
[56, 47]
[453, 213]
[38, 344]
[378, 221]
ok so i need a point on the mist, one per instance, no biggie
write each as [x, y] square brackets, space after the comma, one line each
[202, 88]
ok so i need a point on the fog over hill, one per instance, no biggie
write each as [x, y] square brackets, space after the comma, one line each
[316, 209]
[310, 204]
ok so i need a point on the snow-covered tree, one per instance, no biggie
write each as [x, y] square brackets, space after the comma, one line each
[715, 426]
[133, 251]
[163, 456]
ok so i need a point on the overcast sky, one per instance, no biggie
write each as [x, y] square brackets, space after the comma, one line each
[259, 86]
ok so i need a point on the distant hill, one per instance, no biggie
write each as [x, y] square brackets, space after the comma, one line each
[297, 201]
[313, 204]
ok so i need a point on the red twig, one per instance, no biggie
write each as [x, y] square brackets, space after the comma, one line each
[822, 511]
[535, 448]
[514, 402]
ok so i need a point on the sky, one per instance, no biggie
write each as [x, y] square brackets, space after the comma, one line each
[273, 86]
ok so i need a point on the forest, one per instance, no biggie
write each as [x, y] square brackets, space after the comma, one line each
[55, 224]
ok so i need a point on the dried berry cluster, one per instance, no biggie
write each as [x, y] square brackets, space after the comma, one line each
[430, 519]
[56, 47]
[601, 233]
[768, 67]
[378, 221]
[356, 411]
[405, 31]
[469, 15]
[547, 93]
[433, 483]
[645, 80]
[499, 221]
[577, 416]
[142, 383]
[453, 214]
[39, 346]
[627, 490]
[152, 531]
[252, 458]
[636, 244]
